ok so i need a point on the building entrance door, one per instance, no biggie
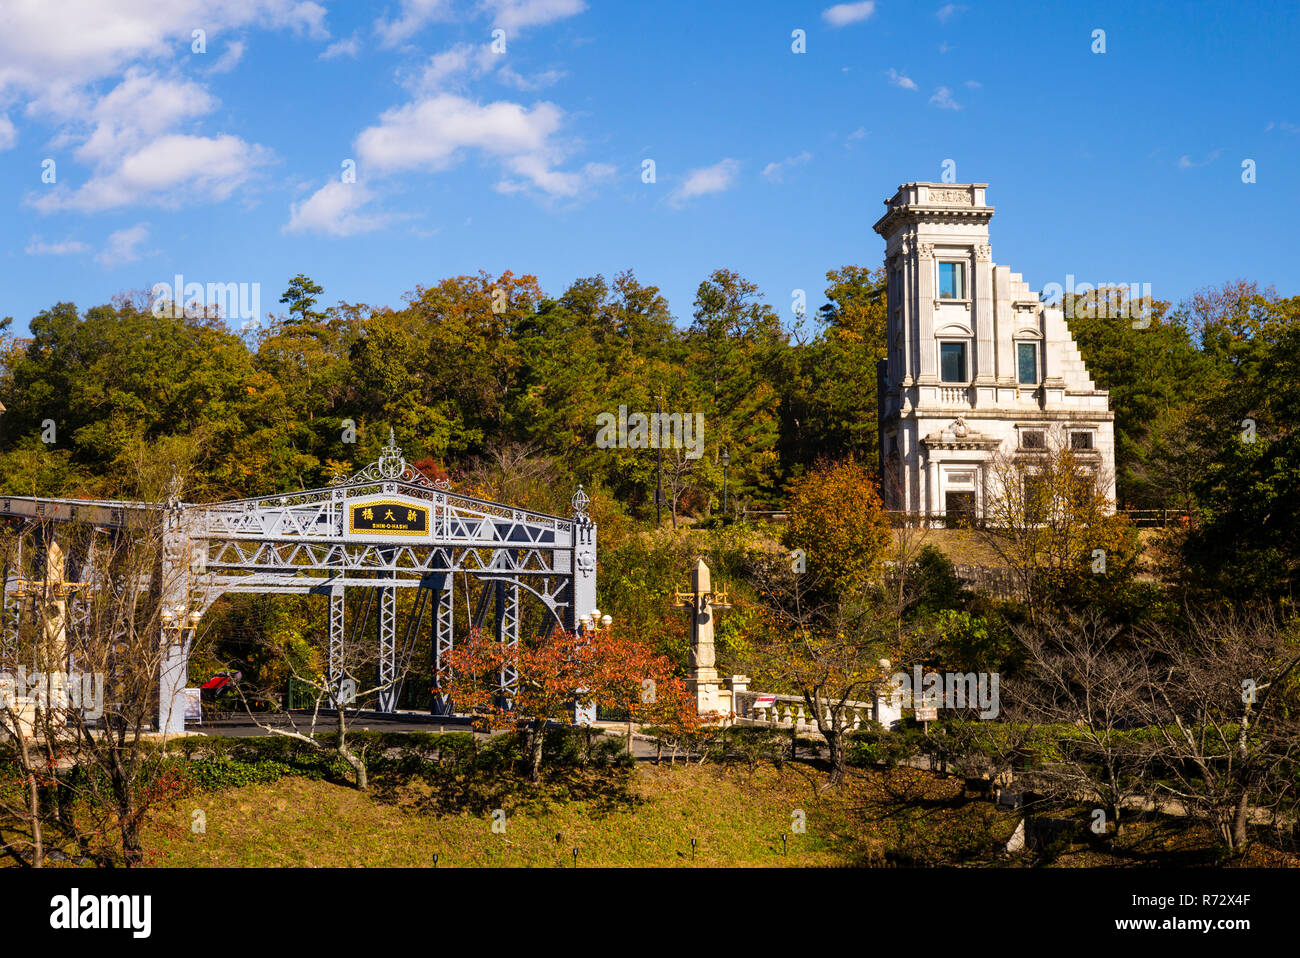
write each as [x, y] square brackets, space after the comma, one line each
[960, 510]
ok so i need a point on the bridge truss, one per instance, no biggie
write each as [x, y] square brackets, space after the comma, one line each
[388, 527]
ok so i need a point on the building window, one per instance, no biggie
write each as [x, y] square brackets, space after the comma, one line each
[952, 280]
[1083, 486]
[1037, 499]
[1033, 439]
[1027, 364]
[1081, 442]
[952, 362]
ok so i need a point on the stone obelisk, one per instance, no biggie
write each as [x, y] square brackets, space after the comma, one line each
[702, 679]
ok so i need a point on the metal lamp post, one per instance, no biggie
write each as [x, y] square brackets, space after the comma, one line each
[659, 465]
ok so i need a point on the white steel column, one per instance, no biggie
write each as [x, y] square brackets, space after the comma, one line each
[388, 649]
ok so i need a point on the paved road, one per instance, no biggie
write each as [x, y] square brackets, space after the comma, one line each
[241, 726]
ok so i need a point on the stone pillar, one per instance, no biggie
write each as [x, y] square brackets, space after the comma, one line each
[702, 677]
[927, 283]
[53, 653]
[934, 505]
[173, 672]
[982, 321]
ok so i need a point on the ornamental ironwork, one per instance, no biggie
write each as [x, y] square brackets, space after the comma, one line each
[442, 544]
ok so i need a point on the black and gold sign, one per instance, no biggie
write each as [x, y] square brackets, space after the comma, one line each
[389, 517]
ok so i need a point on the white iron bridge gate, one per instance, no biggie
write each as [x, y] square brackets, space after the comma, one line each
[388, 527]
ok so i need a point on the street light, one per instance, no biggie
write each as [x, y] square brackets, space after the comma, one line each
[176, 623]
[726, 465]
[659, 464]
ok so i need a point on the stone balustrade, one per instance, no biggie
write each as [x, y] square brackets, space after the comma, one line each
[791, 711]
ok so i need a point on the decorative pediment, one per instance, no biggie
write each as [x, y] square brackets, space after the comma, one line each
[960, 435]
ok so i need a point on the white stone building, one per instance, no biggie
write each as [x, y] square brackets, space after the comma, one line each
[978, 369]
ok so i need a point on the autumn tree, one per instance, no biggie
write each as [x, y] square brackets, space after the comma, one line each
[1049, 517]
[634, 679]
[831, 655]
[835, 516]
[553, 671]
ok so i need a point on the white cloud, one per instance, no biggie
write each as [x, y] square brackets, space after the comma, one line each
[557, 183]
[709, 179]
[535, 82]
[415, 16]
[234, 52]
[50, 56]
[123, 246]
[858, 134]
[469, 59]
[429, 133]
[142, 106]
[899, 80]
[38, 247]
[8, 135]
[842, 14]
[945, 12]
[942, 98]
[1185, 162]
[775, 172]
[138, 138]
[974, 84]
[342, 48]
[336, 210]
[517, 14]
[434, 133]
[168, 171]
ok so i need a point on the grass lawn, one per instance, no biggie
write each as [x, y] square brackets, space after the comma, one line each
[644, 817]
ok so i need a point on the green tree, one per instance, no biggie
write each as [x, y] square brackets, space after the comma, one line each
[1154, 374]
[1247, 541]
[829, 405]
[736, 346]
[300, 297]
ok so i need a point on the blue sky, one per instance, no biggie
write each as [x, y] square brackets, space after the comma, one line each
[226, 165]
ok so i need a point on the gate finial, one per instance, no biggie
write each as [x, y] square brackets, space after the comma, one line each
[579, 502]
